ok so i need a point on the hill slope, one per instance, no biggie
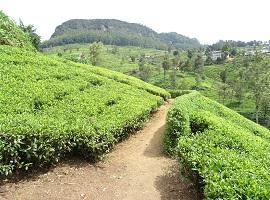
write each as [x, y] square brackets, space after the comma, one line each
[227, 151]
[115, 32]
[51, 107]
[11, 34]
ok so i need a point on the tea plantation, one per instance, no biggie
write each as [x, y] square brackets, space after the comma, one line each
[229, 152]
[51, 107]
[11, 34]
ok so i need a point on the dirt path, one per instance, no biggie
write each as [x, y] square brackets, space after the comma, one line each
[137, 169]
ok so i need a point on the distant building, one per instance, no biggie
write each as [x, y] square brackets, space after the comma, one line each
[216, 54]
[266, 50]
[250, 52]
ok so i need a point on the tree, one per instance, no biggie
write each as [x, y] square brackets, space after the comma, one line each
[31, 31]
[169, 48]
[265, 108]
[176, 65]
[94, 52]
[165, 64]
[208, 61]
[190, 53]
[238, 86]
[198, 68]
[223, 86]
[234, 52]
[114, 49]
[144, 70]
[257, 77]
[133, 58]
[187, 65]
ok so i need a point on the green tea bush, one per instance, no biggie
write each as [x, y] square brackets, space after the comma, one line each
[117, 76]
[11, 34]
[229, 152]
[177, 93]
[51, 107]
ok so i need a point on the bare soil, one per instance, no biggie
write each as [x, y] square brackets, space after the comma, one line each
[137, 169]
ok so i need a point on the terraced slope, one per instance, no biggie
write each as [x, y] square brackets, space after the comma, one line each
[229, 152]
[11, 34]
[51, 107]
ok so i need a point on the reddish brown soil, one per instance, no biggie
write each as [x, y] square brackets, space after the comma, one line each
[137, 169]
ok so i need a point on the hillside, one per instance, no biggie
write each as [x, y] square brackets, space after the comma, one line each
[11, 34]
[51, 107]
[120, 59]
[225, 153]
[115, 32]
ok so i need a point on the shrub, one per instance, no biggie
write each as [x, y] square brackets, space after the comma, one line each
[11, 34]
[229, 152]
[51, 107]
[177, 93]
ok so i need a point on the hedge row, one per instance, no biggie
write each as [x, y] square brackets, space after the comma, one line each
[51, 107]
[229, 152]
[178, 93]
[117, 76]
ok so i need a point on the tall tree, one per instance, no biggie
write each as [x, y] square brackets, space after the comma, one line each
[175, 67]
[165, 64]
[238, 86]
[94, 52]
[265, 108]
[257, 77]
[144, 70]
[223, 86]
[31, 31]
[198, 67]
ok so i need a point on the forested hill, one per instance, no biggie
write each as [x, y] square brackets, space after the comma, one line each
[115, 32]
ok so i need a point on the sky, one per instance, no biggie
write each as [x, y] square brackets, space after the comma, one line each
[206, 20]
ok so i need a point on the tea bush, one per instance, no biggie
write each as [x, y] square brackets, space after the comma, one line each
[229, 152]
[177, 93]
[51, 107]
[11, 34]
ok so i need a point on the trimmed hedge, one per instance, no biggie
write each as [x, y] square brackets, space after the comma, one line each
[177, 93]
[117, 76]
[229, 152]
[51, 107]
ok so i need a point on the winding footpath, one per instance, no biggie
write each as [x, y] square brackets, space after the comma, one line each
[137, 169]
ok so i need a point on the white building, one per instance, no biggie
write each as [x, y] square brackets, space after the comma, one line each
[216, 54]
[250, 52]
[266, 50]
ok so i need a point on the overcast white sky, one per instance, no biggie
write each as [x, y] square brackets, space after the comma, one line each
[207, 20]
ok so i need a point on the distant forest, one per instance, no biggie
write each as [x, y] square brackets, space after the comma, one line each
[115, 32]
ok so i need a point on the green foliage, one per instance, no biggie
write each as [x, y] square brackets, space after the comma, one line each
[230, 152]
[165, 64]
[199, 65]
[131, 81]
[115, 32]
[257, 74]
[51, 107]
[177, 93]
[94, 52]
[236, 91]
[144, 70]
[11, 34]
[179, 41]
[31, 31]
